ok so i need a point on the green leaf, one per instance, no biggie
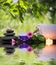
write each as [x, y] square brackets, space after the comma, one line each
[41, 37]
[7, 4]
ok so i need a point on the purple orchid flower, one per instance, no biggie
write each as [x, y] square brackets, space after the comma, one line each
[29, 49]
[30, 34]
[24, 45]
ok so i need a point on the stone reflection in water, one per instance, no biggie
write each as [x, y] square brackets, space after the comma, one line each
[47, 53]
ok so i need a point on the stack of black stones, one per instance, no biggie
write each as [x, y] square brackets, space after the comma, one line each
[7, 41]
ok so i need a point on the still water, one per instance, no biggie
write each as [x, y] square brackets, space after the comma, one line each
[47, 53]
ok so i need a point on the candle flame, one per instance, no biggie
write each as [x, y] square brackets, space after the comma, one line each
[49, 42]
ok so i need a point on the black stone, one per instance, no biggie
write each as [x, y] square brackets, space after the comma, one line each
[9, 50]
[9, 31]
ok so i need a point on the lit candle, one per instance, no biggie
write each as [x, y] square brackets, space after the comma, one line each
[49, 42]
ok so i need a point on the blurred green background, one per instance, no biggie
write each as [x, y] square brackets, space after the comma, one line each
[24, 16]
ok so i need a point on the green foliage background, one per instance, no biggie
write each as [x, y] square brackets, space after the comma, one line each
[25, 15]
[22, 58]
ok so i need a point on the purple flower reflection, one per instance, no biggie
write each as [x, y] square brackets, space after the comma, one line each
[23, 36]
[24, 45]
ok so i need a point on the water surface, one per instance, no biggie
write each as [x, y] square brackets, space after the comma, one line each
[48, 52]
